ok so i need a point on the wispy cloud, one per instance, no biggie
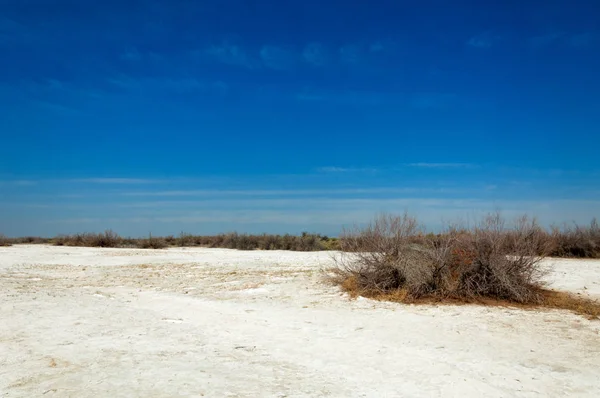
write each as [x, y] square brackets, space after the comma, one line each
[337, 213]
[54, 107]
[352, 98]
[351, 53]
[545, 39]
[377, 47]
[19, 183]
[12, 32]
[278, 58]
[131, 54]
[584, 39]
[421, 101]
[116, 181]
[442, 165]
[316, 54]
[230, 54]
[282, 57]
[484, 40]
[434, 100]
[181, 85]
[336, 169]
[274, 192]
[575, 40]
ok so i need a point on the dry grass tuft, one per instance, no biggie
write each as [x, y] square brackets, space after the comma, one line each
[550, 299]
[574, 303]
[350, 285]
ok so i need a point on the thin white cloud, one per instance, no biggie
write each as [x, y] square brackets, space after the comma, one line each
[230, 54]
[277, 58]
[584, 39]
[315, 54]
[350, 53]
[12, 32]
[20, 183]
[178, 85]
[131, 54]
[546, 39]
[377, 47]
[273, 192]
[54, 107]
[335, 169]
[434, 100]
[441, 165]
[351, 98]
[337, 213]
[116, 181]
[484, 40]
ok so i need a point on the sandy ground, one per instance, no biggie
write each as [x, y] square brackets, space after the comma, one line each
[83, 322]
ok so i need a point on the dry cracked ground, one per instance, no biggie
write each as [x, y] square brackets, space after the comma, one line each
[191, 322]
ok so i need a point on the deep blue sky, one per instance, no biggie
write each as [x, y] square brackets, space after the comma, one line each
[283, 116]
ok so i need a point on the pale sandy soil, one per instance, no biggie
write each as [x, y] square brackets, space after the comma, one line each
[83, 322]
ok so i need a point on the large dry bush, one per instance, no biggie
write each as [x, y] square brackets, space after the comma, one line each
[393, 255]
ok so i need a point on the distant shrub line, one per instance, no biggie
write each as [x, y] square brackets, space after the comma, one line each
[304, 242]
[570, 241]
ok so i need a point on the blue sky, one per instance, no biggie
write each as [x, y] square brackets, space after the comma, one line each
[284, 116]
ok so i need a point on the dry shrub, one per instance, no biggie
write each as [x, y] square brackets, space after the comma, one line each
[490, 264]
[577, 241]
[500, 263]
[4, 241]
[381, 257]
[152, 243]
[106, 239]
[305, 242]
[234, 240]
[186, 239]
[391, 254]
[170, 240]
[37, 240]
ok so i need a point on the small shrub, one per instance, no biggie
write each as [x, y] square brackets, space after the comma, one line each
[4, 241]
[381, 256]
[106, 239]
[129, 242]
[501, 264]
[29, 240]
[152, 243]
[331, 243]
[170, 240]
[186, 240]
[577, 241]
